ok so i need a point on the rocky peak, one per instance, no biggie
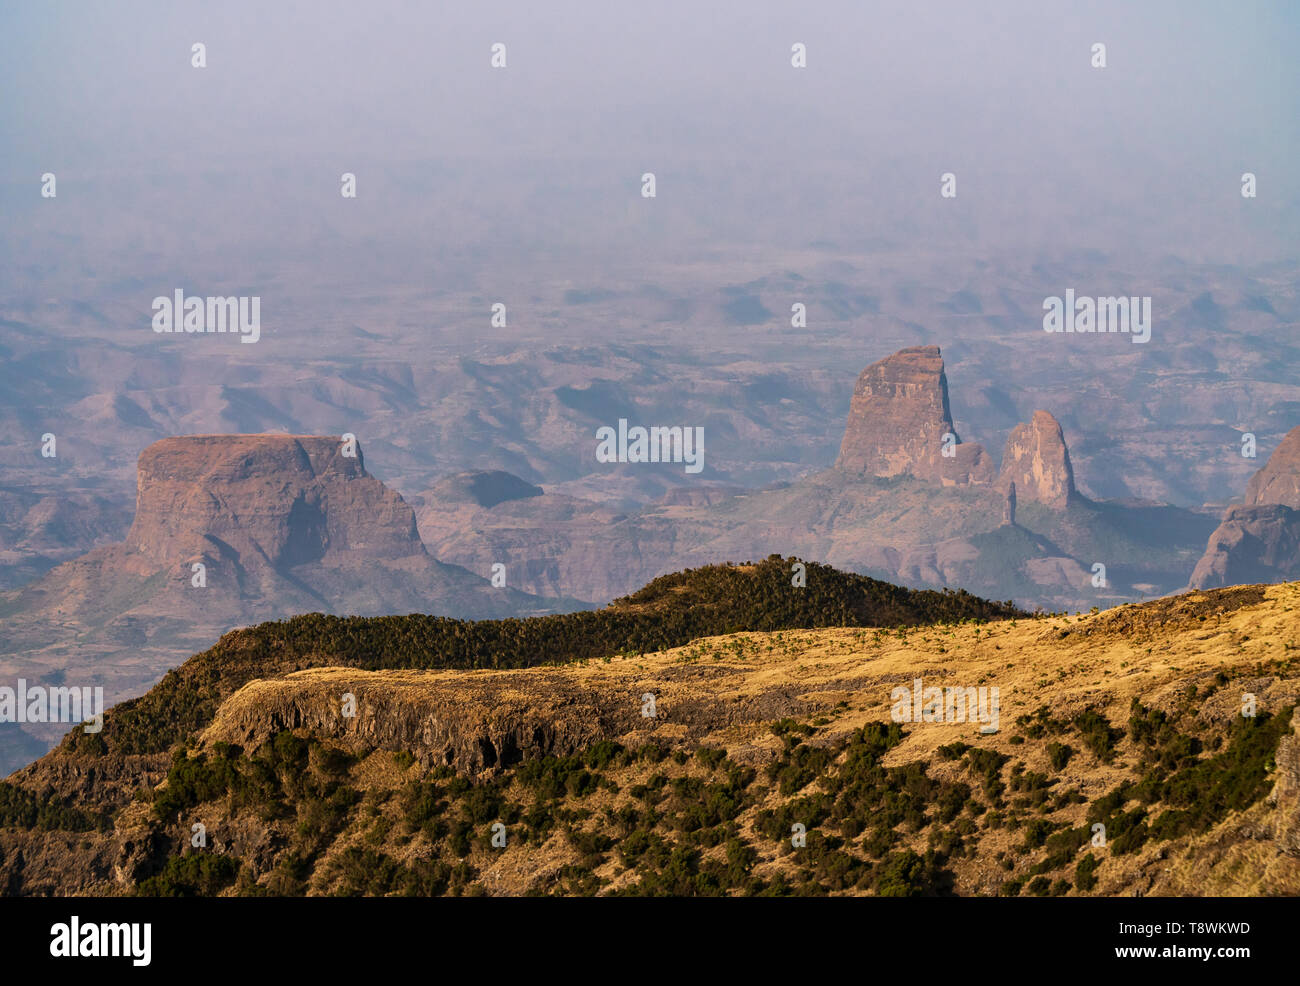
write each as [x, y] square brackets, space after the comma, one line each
[276, 499]
[1254, 543]
[898, 420]
[1279, 480]
[1036, 463]
[1259, 541]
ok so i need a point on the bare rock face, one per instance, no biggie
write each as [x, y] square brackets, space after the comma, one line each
[1279, 480]
[1259, 541]
[1037, 463]
[898, 420]
[230, 530]
[494, 722]
[1253, 544]
[281, 499]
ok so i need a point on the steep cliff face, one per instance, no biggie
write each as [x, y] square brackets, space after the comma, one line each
[280, 523]
[898, 423]
[1036, 462]
[280, 500]
[935, 524]
[230, 530]
[1259, 541]
[1279, 480]
[476, 723]
[1251, 544]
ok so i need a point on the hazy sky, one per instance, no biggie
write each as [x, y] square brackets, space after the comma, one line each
[163, 167]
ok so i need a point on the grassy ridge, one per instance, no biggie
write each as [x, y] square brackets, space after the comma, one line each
[669, 612]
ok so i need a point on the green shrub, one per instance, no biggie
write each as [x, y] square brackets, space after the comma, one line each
[1058, 754]
[1097, 734]
[199, 874]
[906, 874]
[1085, 873]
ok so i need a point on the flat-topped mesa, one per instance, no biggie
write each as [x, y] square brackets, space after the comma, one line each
[280, 499]
[899, 424]
[1036, 462]
[1279, 480]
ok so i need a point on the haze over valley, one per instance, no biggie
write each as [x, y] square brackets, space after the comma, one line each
[418, 419]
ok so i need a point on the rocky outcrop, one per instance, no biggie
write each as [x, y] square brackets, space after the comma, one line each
[281, 524]
[1036, 462]
[1260, 540]
[899, 424]
[485, 723]
[1279, 480]
[231, 530]
[1252, 544]
[280, 500]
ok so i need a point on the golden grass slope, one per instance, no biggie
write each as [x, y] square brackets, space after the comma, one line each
[727, 691]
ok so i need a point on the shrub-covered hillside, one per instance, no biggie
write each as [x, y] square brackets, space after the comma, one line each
[668, 612]
[1147, 750]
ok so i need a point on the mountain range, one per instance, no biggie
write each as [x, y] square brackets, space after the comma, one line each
[281, 524]
[1146, 750]
[905, 500]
